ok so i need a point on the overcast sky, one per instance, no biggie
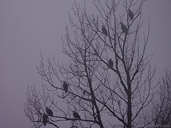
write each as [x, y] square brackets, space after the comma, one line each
[28, 26]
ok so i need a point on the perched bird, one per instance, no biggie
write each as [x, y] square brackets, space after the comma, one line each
[104, 31]
[45, 119]
[49, 111]
[76, 115]
[130, 14]
[110, 63]
[65, 86]
[124, 28]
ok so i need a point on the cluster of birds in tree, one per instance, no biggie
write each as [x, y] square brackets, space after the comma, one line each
[49, 112]
[123, 27]
[124, 30]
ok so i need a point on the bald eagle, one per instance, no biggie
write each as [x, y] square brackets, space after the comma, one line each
[49, 111]
[124, 28]
[110, 63]
[65, 86]
[130, 14]
[104, 31]
[76, 115]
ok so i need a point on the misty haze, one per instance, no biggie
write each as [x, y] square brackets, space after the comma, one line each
[85, 64]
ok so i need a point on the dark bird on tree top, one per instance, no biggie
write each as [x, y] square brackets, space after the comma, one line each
[65, 86]
[130, 14]
[104, 31]
[76, 115]
[110, 63]
[49, 111]
[45, 119]
[124, 28]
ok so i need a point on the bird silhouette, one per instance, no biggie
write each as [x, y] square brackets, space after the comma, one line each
[65, 86]
[104, 31]
[45, 119]
[76, 115]
[49, 111]
[110, 63]
[130, 14]
[124, 28]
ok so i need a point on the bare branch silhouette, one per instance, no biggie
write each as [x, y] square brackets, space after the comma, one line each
[108, 79]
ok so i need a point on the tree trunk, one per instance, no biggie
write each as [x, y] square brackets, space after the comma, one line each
[129, 112]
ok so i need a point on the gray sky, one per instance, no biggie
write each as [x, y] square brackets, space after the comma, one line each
[28, 26]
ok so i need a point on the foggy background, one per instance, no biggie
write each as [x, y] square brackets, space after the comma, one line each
[30, 26]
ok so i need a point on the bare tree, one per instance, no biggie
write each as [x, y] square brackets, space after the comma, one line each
[107, 82]
[161, 110]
